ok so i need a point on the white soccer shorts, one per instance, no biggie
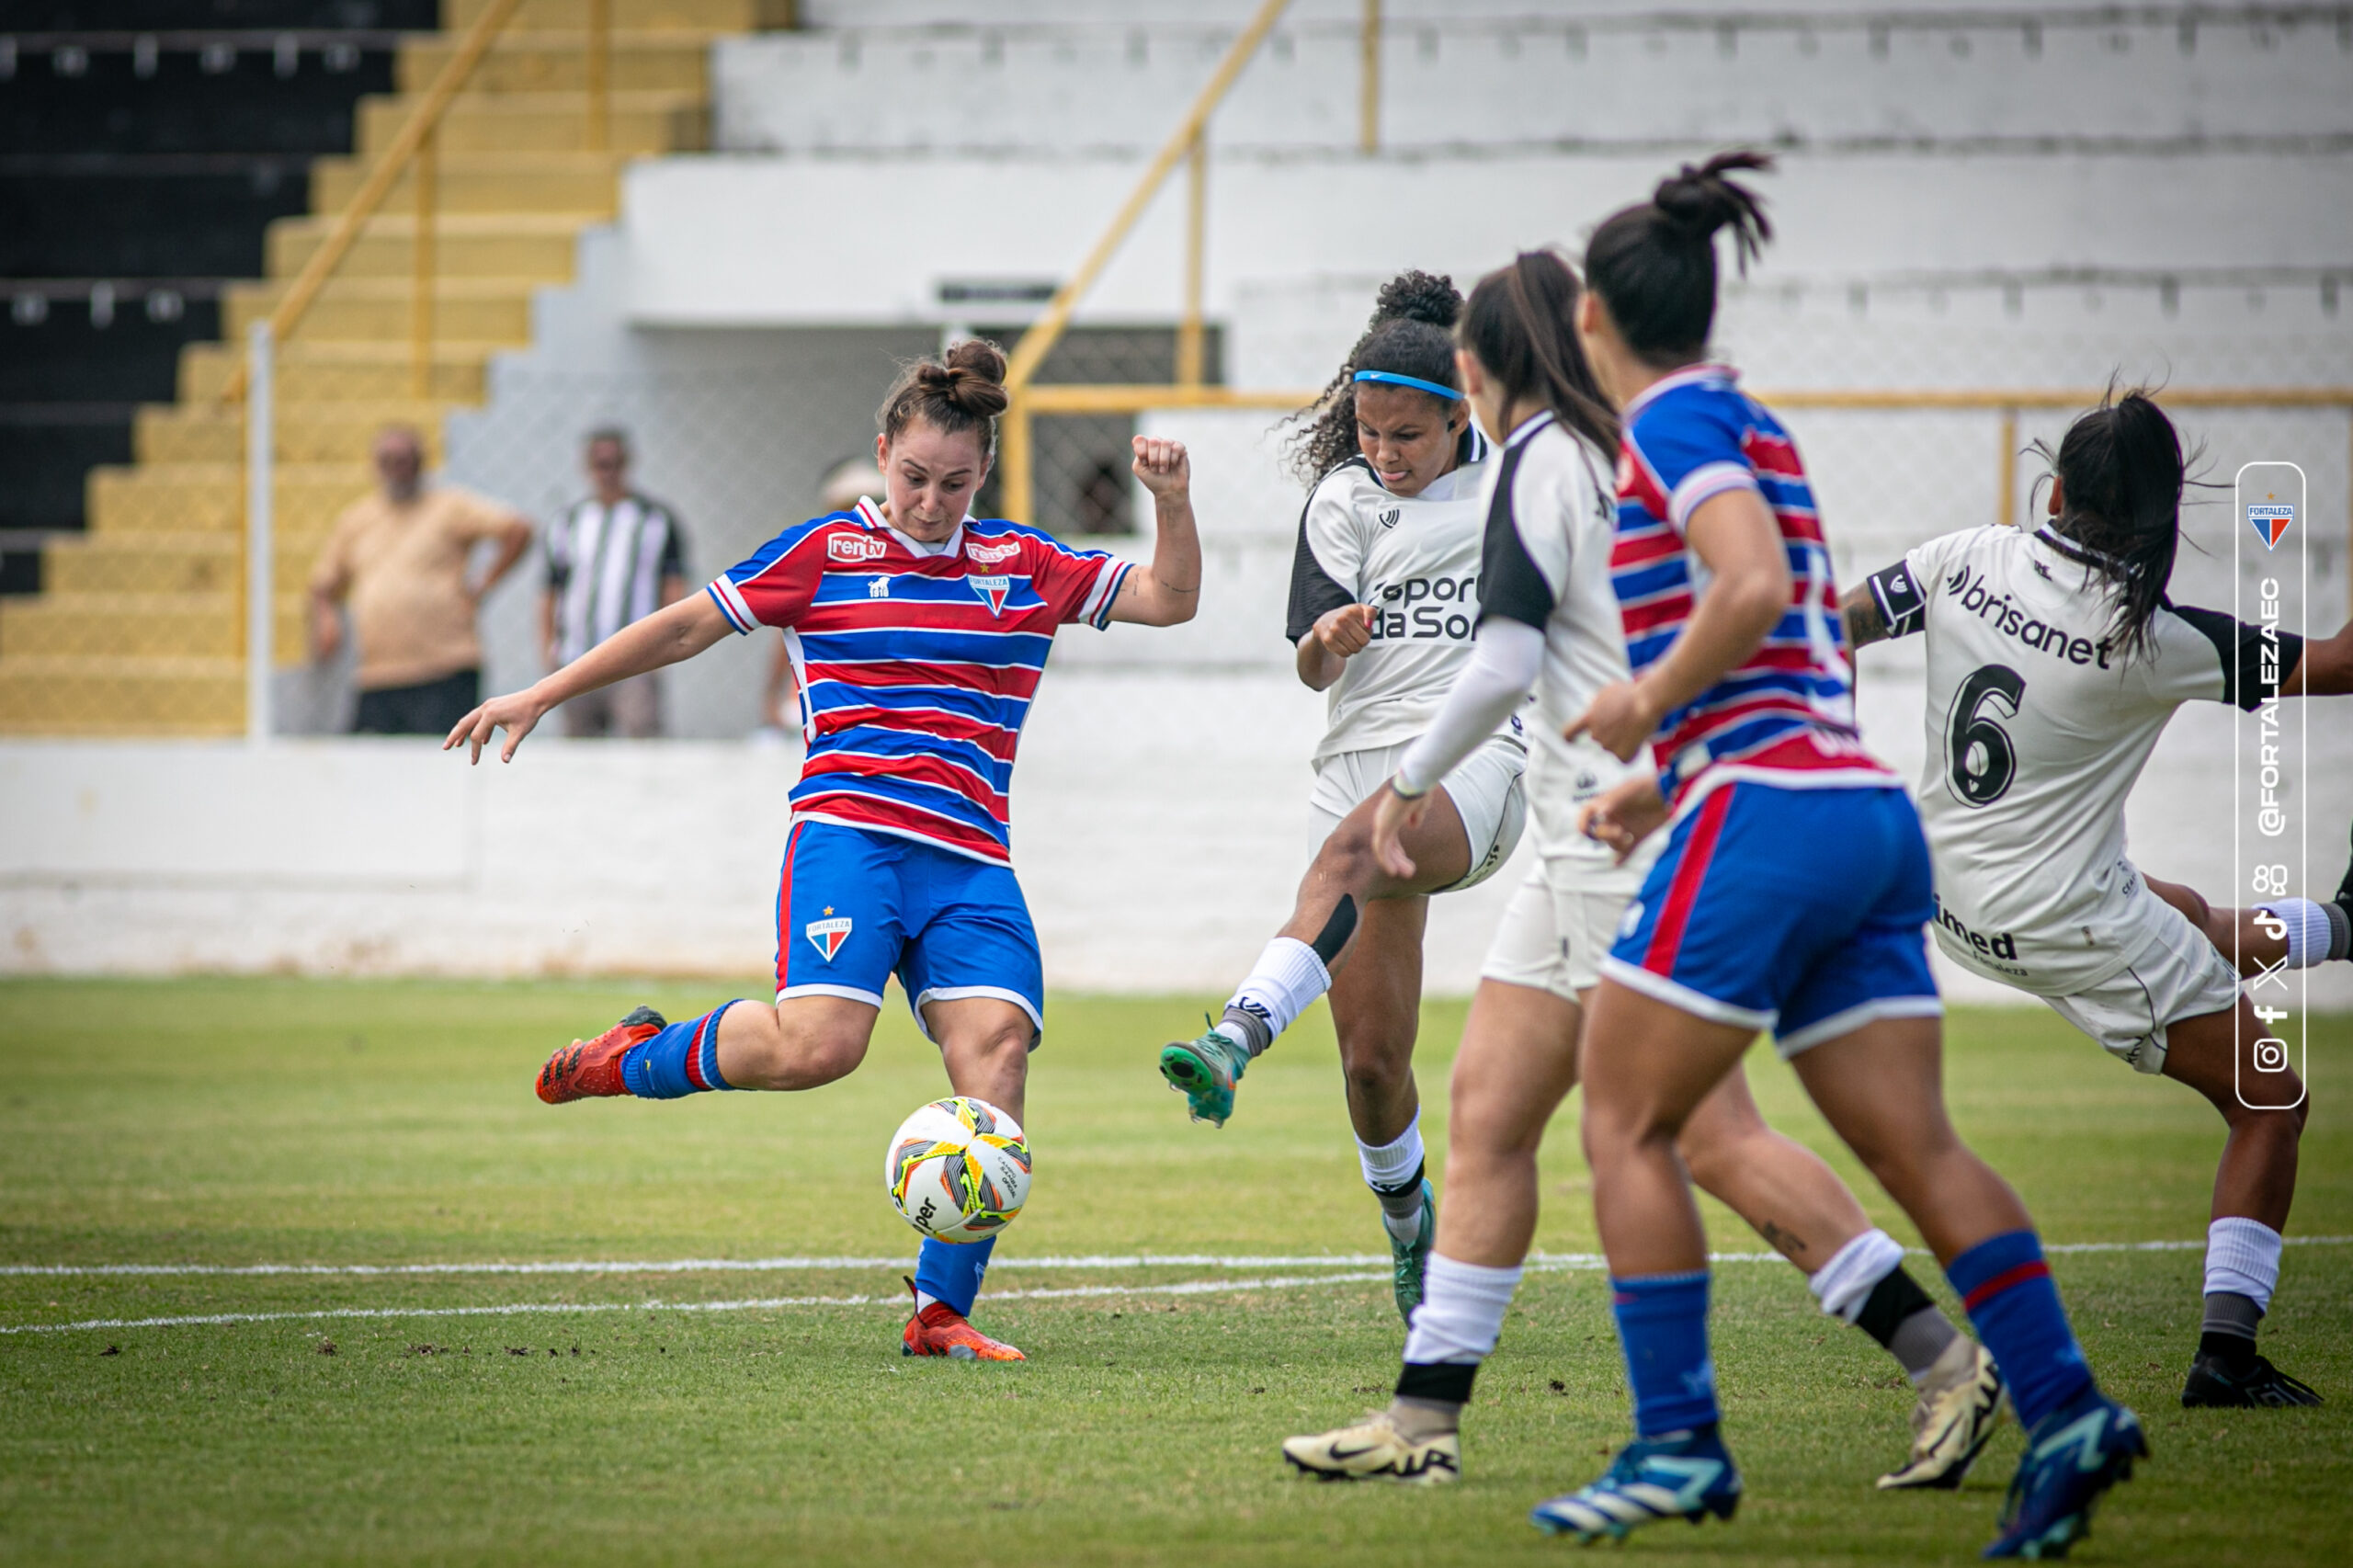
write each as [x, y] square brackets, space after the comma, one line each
[1560, 923]
[1486, 790]
[2175, 973]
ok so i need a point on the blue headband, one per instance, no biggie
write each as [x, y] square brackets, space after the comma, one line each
[1393, 378]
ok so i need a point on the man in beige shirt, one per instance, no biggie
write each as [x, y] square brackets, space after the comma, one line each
[399, 559]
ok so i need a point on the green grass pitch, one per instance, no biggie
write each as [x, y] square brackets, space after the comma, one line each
[236, 1122]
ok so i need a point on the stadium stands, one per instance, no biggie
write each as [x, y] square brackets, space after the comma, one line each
[137, 629]
[2017, 197]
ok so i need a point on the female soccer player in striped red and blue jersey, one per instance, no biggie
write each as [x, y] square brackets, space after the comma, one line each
[918, 633]
[1793, 895]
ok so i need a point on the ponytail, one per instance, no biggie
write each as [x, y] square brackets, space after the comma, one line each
[2120, 473]
[962, 389]
[1409, 335]
[1520, 325]
[1654, 265]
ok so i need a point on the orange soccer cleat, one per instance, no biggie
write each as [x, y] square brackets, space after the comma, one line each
[586, 1069]
[940, 1330]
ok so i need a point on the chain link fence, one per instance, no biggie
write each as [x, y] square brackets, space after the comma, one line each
[142, 623]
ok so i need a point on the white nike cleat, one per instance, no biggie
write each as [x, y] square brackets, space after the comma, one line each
[1959, 1408]
[1375, 1448]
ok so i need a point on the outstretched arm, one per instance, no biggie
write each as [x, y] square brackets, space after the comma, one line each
[666, 637]
[2325, 670]
[1167, 590]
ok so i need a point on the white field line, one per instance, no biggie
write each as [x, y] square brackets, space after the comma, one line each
[817, 1264]
[1191, 1288]
[1544, 1263]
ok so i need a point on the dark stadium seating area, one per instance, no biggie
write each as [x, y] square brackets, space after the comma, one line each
[145, 146]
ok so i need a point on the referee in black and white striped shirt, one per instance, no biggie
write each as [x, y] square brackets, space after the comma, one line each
[612, 559]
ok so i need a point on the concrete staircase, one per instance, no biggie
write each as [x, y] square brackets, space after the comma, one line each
[139, 629]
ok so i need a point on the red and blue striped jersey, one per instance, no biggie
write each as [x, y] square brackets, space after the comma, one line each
[916, 663]
[1785, 714]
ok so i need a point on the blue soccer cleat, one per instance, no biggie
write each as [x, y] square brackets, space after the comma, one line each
[1205, 1069]
[1409, 1262]
[2073, 1455]
[1686, 1476]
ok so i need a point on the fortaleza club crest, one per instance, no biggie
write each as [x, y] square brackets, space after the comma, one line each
[2269, 520]
[827, 936]
[991, 591]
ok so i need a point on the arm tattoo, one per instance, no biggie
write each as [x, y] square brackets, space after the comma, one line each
[1865, 625]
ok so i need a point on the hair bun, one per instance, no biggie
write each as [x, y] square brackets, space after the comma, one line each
[972, 378]
[1418, 296]
[1698, 202]
[962, 390]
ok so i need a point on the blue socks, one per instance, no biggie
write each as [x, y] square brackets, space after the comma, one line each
[2013, 1302]
[682, 1060]
[1663, 1325]
[949, 1272]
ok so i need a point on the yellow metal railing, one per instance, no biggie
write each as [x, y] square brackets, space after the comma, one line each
[416, 147]
[1015, 456]
[414, 151]
[2006, 403]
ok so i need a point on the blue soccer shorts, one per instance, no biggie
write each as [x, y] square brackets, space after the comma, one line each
[1800, 911]
[855, 907]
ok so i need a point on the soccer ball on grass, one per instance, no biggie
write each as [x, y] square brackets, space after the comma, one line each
[957, 1169]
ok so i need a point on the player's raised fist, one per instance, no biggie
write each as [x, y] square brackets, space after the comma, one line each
[1162, 465]
[1345, 631]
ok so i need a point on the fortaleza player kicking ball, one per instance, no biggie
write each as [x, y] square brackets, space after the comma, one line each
[1791, 896]
[1548, 622]
[2055, 663]
[918, 633]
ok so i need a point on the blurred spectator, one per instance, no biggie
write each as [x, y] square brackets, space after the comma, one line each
[399, 559]
[612, 559]
[844, 484]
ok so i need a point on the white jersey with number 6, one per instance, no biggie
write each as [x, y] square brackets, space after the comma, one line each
[2038, 725]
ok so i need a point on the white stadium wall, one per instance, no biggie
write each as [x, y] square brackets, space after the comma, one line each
[2031, 199]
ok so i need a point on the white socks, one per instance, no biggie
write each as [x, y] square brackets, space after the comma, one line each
[1461, 1314]
[1845, 1283]
[1287, 978]
[2314, 935]
[1392, 1164]
[2242, 1257]
[1387, 1170]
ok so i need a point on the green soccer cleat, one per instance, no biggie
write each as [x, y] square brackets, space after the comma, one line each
[1411, 1262]
[1206, 1070]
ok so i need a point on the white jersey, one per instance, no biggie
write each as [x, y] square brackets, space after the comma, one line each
[1552, 515]
[1416, 560]
[2036, 728]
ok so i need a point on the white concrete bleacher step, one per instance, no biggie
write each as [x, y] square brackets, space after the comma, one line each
[1498, 75]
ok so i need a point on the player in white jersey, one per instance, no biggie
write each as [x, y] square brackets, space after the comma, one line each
[1383, 594]
[2054, 662]
[1549, 624]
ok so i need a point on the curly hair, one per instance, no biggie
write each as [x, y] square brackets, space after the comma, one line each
[1410, 334]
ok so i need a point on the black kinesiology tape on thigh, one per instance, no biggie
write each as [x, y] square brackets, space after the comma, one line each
[1337, 930]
